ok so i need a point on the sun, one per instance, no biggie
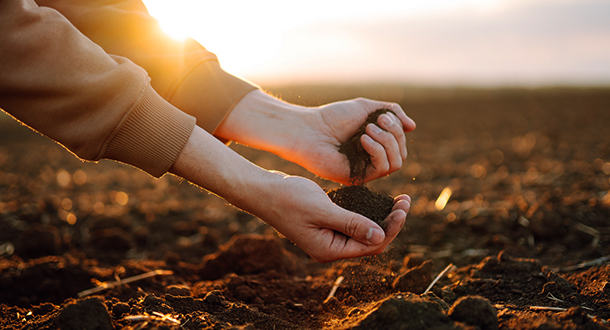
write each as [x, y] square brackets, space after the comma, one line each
[222, 30]
[171, 18]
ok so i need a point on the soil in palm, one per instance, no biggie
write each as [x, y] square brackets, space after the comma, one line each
[356, 197]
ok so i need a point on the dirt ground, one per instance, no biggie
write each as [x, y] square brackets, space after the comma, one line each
[510, 186]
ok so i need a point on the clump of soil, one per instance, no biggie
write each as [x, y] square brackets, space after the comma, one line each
[359, 159]
[357, 198]
[360, 199]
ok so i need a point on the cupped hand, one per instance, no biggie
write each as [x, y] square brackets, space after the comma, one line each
[328, 126]
[303, 213]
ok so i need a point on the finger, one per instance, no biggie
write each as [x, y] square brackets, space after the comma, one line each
[352, 248]
[407, 123]
[402, 197]
[355, 226]
[390, 123]
[343, 246]
[379, 160]
[390, 146]
[394, 222]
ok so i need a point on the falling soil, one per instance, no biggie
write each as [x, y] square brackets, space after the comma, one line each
[359, 159]
[356, 197]
[526, 227]
[361, 200]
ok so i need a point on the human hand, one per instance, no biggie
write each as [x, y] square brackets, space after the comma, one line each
[333, 124]
[297, 207]
[311, 137]
[302, 212]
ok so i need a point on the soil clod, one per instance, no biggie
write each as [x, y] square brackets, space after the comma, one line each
[474, 310]
[361, 200]
[87, 314]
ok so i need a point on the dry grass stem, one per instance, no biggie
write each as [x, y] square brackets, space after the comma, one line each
[548, 308]
[156, 317]
[550, 296]
[449, 267]
[586, 264]
[335, 287]
[107, 285]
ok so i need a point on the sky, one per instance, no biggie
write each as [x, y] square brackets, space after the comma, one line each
[428, 42]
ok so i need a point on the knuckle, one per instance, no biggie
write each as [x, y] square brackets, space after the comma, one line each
[351, 227]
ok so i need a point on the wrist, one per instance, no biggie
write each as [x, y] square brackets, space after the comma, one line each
[264, 122]
[210, 164]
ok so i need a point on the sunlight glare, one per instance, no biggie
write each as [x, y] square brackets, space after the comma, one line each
[433, 41]
[172, 22]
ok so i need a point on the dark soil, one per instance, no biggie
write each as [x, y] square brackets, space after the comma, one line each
[361, 200]
[358, 198]
[359, 159]
[526, 226]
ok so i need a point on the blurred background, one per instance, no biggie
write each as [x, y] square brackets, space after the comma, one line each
[432, 42]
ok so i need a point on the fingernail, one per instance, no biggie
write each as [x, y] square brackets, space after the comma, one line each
[386, 120]
[367, 138]
[375, 128]
[375, 236]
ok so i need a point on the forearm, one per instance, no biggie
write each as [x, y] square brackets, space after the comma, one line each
[210, 164]
[264, 122]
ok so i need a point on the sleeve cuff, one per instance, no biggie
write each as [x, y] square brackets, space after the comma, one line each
[209, 93]
[150, 136]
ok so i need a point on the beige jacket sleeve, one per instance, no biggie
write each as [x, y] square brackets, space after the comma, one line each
[182, 72]
[55, 80]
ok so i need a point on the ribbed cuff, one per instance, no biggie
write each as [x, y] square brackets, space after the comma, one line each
[151, 136]
[209, 93]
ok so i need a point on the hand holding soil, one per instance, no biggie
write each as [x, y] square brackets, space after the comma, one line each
[306, 216]
[357, 198]
[310, 136]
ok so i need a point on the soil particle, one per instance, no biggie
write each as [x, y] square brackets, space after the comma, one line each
[358, 158]
[474, 310]
[87, 314]
[359, 199]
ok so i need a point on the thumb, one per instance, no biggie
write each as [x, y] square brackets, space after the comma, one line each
[356, 226]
